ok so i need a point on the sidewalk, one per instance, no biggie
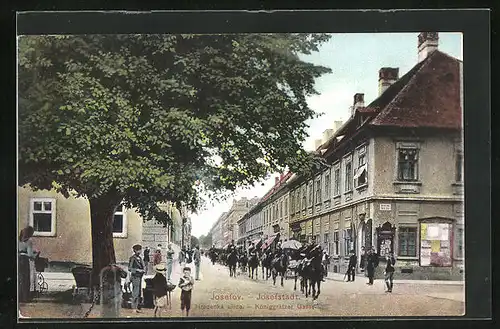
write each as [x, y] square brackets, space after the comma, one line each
[361, 277]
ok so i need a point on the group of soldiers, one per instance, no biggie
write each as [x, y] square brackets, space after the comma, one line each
[269, 252]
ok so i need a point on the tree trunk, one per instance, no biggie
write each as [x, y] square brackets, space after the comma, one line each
[103, 252]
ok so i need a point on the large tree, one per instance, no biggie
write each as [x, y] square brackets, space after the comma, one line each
[140, 118]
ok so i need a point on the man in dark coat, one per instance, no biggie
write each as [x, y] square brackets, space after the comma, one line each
[351, 267]
[389, 271]
[371, 264]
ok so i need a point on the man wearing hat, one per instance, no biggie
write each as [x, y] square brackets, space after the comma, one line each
[136, 268]
[160, 289]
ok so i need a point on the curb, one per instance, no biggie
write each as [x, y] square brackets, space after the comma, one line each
[340, 278]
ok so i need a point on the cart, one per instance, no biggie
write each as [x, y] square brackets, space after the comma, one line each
[82, 279]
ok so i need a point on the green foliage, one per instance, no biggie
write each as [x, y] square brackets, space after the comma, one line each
[144, 117]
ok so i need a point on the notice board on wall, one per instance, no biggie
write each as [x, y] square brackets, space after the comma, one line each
[435, 244]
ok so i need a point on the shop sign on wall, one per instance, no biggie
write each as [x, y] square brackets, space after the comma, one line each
[435, 244]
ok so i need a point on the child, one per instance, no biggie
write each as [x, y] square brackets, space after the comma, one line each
[186, 283]
[160, 290]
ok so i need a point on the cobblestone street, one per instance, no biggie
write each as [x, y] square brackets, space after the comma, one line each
[218, 295]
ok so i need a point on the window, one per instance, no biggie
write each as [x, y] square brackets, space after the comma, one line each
[43, 216]
[460, 243]
[292, 202]
[407, 241]
[336, 243]
[407, 164]
[281, 209]
[326, 240]
[347, 241]
[459, 167]
[120, 222]
[318, 190]
[310, 200]
[361, 172]
[304, 201]
[348, 176]
[327, 186]
[286, 206]
[337, 181]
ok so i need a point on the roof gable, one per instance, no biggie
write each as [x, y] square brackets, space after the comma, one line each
[427, 96]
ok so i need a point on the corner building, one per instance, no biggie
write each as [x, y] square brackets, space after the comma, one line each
[395, 174]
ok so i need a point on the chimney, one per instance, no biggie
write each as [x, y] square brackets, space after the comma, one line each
[386, 77]
[427, 43]
[327, 134]
[336, 126]
[317, 143]
[276, 180]
[359, 101]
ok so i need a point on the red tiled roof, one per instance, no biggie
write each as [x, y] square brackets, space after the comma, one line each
[427, 96]
[276, 186]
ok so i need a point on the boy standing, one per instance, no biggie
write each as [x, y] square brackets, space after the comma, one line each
[186, 284]
[136, 268]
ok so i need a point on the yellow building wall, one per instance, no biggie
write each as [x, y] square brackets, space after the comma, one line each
[72, 242]
[436, 166]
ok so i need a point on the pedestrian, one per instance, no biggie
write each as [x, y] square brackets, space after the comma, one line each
[146, 259]
[136, 269]
[389, 271]
[160, 290]
[197, 262]
[186, 284]
[182, 256]
[325, 261]
[26, 264]
[189, 256]
[170, 261]
[157, 257]
[351, 267]
[371, 264]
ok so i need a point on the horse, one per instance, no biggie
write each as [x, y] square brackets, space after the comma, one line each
[243, 261]
[232, 259]
[253, 264]
[279, 265]
[313, 273]
[266, 265]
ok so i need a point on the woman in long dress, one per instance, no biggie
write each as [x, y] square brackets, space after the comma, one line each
[26, 264]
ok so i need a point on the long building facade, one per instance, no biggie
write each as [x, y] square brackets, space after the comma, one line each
[226, 228]
[393, 178]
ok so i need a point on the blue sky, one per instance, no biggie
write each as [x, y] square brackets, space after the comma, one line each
[355, 60]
